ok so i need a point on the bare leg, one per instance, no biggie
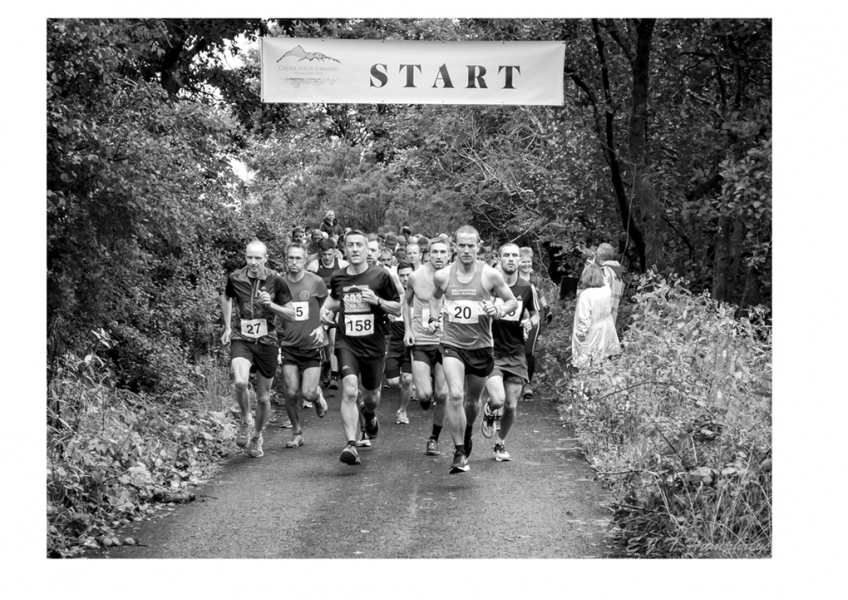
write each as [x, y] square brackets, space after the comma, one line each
[291, 378]
[263, 402]
[513, 391]
[349, 410]
[454, 370]
[241, 374]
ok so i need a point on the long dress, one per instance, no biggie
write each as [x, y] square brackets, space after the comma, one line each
[593, 323]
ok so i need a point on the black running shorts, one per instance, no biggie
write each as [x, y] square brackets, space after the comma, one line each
[370, 370]
[397, 361]
[262, 357]
[511, 368]
[303, 358]
[477, 361]
[429, 354]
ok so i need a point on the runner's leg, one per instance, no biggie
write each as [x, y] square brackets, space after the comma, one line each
[454, 370]
[513, 391]
[241, 374]
[291, 377]
[263, 402]
[349, 410]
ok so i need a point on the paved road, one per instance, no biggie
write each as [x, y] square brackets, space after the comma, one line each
[399, 503]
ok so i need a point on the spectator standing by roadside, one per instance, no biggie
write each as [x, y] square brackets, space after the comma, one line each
[593, 337]
[331, 226]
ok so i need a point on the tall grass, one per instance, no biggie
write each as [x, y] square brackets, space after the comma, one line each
[679, 425]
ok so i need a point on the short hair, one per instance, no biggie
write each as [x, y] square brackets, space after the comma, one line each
[423, 242]
[525, 252]
[354, 232]
[386, 252]
[409, 247]
[401, 241]
[406, 229]
[605, 252]
[297, 245]
[508, 244]
[442, 241]
[403, 265]
[326, 244]
[256, 242]
[592, 276]
[372, 237]
[316, 231]
[466, 229]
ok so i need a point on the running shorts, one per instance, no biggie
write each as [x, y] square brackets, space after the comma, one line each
[370, 370]
[429, 354]
[262, 357]
[511, 368]
[303, 358]
[397, 362]
[477, 361]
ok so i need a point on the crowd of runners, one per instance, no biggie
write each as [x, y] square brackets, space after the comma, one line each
[449, 321]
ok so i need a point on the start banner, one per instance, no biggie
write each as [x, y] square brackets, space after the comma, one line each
[411, 72]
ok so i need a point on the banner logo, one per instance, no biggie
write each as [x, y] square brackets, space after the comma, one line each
[298, 51]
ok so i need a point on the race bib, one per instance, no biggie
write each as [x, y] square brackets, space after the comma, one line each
[359, 325]
[425, 318]
[463, 311]
[514, 315]
[301, 311]
[254, 328]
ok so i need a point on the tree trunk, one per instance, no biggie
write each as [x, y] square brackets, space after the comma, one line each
[723, 261]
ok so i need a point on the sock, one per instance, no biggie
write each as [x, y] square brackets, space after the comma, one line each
[467, 438]
[460, 448]
[351, 442]
[437, 429]
[368, 415]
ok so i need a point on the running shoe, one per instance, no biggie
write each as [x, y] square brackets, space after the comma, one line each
[306, 404]
[296, 441]
[402, 419]
[255, 450]
[243, 434]
[287, 424]
[487, 425]
[501, 455]
[460, 463]
[321, 407]
[350, 456]
[433, 447]
[363, 441]
[334, 381]
[528, 394]
[372, 425]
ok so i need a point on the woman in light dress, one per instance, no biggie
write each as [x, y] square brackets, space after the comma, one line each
[593, 337]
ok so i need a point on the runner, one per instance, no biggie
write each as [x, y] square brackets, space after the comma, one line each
[261, 295]
[424, 336]
[510, 372]
[326, 264]
[413, 255]
[363, 294]
[398, 365]
[468, 287]
[525, 271]
[302, 340]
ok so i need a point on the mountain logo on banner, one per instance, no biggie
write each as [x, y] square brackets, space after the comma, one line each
[298, 51]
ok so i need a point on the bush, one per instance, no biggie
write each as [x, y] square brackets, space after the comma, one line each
[112, 454]
[679, 425]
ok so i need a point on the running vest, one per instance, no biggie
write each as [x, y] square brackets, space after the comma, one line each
[464, 322]
[421, 316]
[325, 272]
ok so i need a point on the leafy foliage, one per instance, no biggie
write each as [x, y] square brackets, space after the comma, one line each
[679, 425]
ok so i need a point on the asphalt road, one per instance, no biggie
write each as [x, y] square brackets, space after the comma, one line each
[399, 503]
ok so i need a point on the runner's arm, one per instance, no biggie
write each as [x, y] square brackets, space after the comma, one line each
[328, 311]
[502, 291]
[227, 312]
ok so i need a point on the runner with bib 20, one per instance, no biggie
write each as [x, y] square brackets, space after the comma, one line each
[469, 287]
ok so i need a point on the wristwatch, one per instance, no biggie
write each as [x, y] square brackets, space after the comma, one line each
[379, 301]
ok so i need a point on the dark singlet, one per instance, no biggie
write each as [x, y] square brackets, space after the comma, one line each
[325, 272]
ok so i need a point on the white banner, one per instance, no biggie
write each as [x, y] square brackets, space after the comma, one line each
[412, 72]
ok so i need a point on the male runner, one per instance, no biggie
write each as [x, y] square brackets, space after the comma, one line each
[468, 287]
[525, 271]
[413, 255]
[398, 365]
[424, 337]
[324, 265]
[510, 371]
[302, 340]
[261, 295]
[363, 294]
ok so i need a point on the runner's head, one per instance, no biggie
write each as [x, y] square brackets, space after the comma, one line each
[413, 254]
[525, 263]
[255, 255]
[592, 276]
[385, 257]
[438, 253]
[327, 251]
[295, 258]
[356, 247]
[404, 269]
[400, 253]
[510, 257]
[317, 235]
[467, 244]
[373, 251]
